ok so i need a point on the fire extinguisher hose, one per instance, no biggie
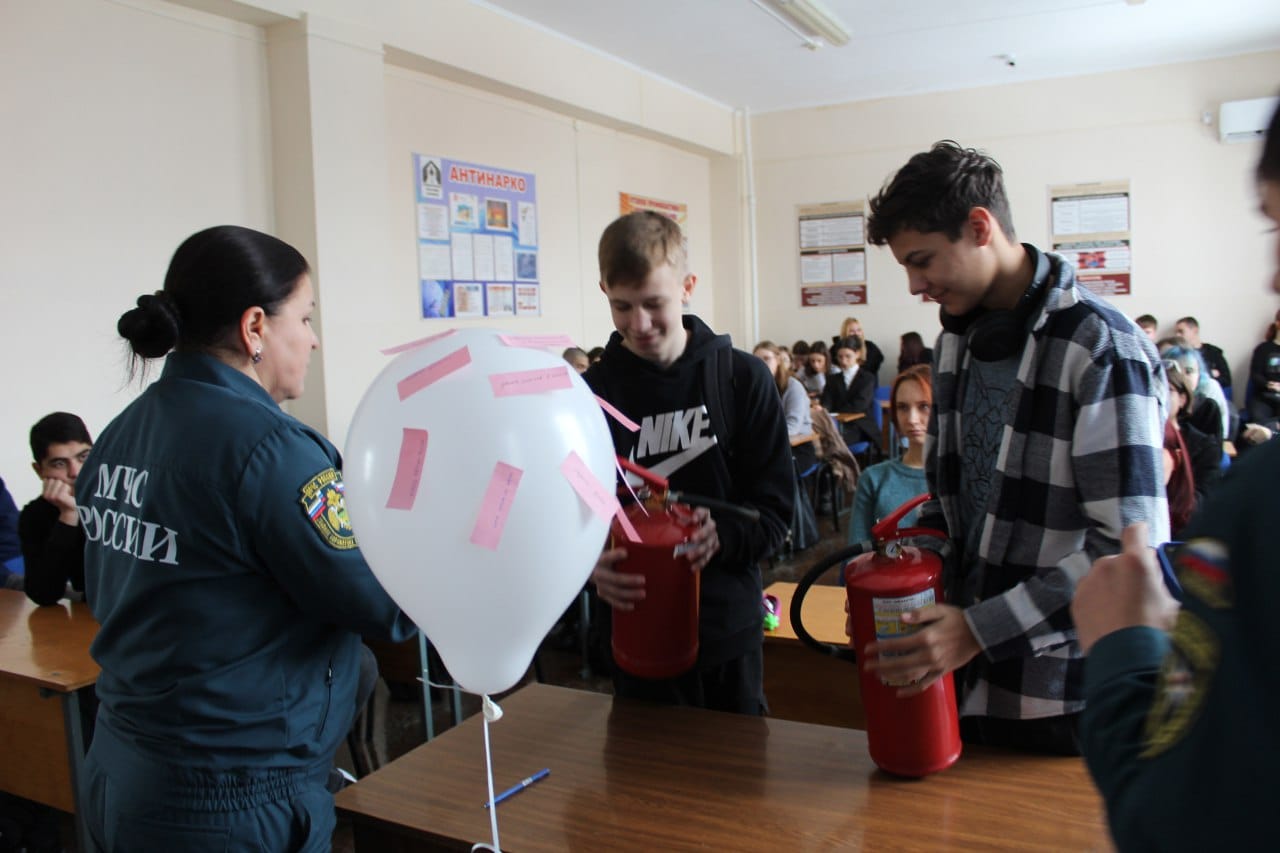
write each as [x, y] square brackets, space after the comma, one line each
[816, 571]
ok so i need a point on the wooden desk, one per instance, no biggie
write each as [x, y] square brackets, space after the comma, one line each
[801, 684]
[630, 776]
[44, 655]
[848, 417]
[797, 440]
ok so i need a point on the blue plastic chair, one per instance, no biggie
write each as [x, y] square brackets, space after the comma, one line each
[863, 448]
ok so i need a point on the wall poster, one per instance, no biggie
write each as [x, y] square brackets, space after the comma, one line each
[477, 240]
[833, 254]
[1090, 229]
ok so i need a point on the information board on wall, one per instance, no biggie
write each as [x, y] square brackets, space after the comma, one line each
[477, 240]
[1090, 229]
[833, 254]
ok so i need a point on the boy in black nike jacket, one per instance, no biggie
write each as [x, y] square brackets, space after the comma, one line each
[710, 421]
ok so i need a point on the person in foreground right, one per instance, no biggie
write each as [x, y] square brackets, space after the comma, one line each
[1178, 730]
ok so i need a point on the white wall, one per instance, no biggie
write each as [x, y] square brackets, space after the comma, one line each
[1198, 240]
[128, 126]
[145, 121]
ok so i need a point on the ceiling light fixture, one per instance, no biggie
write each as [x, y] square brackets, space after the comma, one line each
[809, 19]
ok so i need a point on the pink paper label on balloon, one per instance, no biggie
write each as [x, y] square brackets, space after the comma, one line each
[594, 494]
[530, 381]
[413, 452]
[627, 526]
[415, 382]
[536, 341]
[616, 415]
[420, 342]
[496, 505]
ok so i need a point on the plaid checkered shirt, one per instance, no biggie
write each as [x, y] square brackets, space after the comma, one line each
[1080, 458]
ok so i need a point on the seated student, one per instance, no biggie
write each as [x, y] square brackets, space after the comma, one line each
[869, 355]
[799, 358]
[1198, 430]
[1264, 377]
[1148, 324]
[886, 486]
[577, 357]
[795, 402]
[52, 538]
[912, 351]
[852, 390]
[10, 550]
[1208, 394]
[1188, 328]
[814, 375]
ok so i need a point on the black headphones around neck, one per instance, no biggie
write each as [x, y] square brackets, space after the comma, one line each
[997, 335]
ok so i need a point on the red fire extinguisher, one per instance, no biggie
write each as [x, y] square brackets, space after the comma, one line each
[918, 735]
[659, 637]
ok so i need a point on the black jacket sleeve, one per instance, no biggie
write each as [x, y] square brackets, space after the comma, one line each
[52, 551]
[875, 358]
[1217, 363]
[760, 466]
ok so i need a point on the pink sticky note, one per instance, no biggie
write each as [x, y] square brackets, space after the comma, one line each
[495, 506]
[537, 341]
[616, 415]
[415, 382]
[420, 342]
[530, 381]
[413, 452]
[594, 493]
[627, 527]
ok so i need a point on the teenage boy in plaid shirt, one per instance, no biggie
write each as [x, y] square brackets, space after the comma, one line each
[1045, 442]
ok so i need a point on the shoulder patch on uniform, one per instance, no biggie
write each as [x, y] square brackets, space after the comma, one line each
[322, 500]
[1184, 680]
[1201, 566]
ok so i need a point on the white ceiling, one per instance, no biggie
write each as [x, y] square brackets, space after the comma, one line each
[736, 54]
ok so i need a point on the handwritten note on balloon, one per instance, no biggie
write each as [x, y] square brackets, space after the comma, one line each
[420, 342]
[496, 505]
[432, 373]
[413, 453]
[595, 494]
[536, 341]
[530, 381]
[617, 415]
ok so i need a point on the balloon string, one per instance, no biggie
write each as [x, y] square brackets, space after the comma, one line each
[492, 713]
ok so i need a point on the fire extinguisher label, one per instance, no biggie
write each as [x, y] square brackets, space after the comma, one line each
[888, 617]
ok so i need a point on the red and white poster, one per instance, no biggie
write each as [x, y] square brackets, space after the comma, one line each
[1091, 230]
[833, 254]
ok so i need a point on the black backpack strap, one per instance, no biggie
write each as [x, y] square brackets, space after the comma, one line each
[718, 385]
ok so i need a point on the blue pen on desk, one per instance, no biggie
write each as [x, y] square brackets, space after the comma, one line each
[520, 786]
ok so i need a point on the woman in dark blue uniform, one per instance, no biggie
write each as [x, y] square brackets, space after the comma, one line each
[223, 570]
[1180, 728]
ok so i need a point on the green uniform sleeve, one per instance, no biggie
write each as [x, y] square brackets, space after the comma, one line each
[296, 528]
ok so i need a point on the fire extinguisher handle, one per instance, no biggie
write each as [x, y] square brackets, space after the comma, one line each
[802, 588]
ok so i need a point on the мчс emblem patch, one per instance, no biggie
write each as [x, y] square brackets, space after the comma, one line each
[321, 498]
[1183, 682]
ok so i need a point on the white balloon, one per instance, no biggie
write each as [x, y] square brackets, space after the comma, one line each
[486, 610]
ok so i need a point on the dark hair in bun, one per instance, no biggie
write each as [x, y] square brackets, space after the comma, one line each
[152, 329]
[214, 277]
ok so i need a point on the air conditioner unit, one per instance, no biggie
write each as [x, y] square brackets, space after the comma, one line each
[1241, 121]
